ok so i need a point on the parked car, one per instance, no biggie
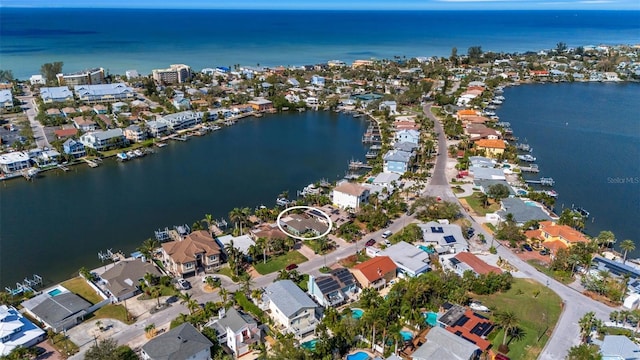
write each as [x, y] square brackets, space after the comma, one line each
[371, 242]
[215, 278]
[544, 252]
[291, 267]
[527, 247]
[184, 284]
[386, 234]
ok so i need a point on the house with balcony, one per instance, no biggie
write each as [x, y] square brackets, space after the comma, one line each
[291, 308]
[333, 289]
[350, 195]
[237, 330]
[17, 331]
[392, 106]
[55, 94]
[104, 140]
[181, 120]
[198, 251]
[135, 133]
[157, 128]
[84, 124]
[493, 148]
[410, 260]
[123, 279]
[317, 80]
[104, 92]
[14, 161]
[74, 148]
[261, 104]
[376, 272]
[412, 136]
[552, 235]
[6, 99]
[396, 161]
[181, 342]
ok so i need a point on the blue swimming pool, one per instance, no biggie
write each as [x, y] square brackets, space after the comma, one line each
[357, 313]
[54, 292]
[431, 319]
[360, 355]
[406, 335]
[309, 345]
[426, 249]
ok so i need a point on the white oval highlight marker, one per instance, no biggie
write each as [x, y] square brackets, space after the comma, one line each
[307, 208]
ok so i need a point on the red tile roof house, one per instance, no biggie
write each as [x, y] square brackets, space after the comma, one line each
[197, 251]
[376, 272]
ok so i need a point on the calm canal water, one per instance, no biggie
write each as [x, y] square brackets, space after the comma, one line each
[586, 136]
[58, 223]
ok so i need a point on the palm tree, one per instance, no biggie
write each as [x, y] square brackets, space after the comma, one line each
[256, 293]
[605, 239]
[224, 294]
[156, 292]
[245, 283]
[586, 324]
[150, 330]
[209, 219]
[507, 320]
[627, 245]
[148, 247]
[184, 297]
[236, 216]
[254, 251]
[192, 305]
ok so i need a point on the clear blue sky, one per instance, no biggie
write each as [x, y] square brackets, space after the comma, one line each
[340, 4]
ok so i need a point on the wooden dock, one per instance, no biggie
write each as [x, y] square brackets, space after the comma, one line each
[356, 165]
[63, 168]
[542, 181]
[91, 163]
[531, 169]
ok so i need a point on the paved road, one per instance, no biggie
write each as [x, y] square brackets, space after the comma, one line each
[38, 130]
[567, 331]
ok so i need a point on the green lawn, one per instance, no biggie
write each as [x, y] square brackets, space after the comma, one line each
[226, 271]
[80, 287]
[112, 311]
[277, 263]
[475, 204]
[561, 276]
[537, 315]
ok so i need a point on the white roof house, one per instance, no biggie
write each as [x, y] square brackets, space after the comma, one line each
[445, 237]
[243, 242]
[409, 259]
[350, 195]
[442, 344]
[17, 331]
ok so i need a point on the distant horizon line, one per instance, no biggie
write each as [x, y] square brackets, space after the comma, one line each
[298, 9]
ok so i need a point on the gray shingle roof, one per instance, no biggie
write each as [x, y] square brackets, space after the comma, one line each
[288, 297]
[56, 309]
[619, 346]
[124, 276]
[235, 320]
[180, 343]
[521, 211]
[442, 344]
[397, 155]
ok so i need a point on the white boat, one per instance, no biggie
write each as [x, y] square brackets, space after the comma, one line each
[138, 152]
[551, 193]
[496, 102]
[122, 156]
[131, 154]
[501, 98]
[527, 158]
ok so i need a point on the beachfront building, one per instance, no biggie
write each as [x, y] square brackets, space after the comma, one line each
[410, 260]
[521, 210]
[181, 342]
[37, 79]
[333, 289]
[55, 94]
[198, 251]
[157, 128]
[104, 92]
[6, 99]
[237, 330]
[261, 104]
[58, 309]
[123, 279]
[445, 238]
[290, 308]
[135, 133]
[181, 120]
[375, 272]
[396, 161]
[104, 140]
[174, 74]
[14, 161]
[85, 77]
[73, 148]
[387, 180]
[555, 236]
[17, 331]
[350, 195]
[492, 148]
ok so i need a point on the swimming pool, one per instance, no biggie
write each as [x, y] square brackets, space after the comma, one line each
[431, 319]
[360, 355]
[530, 203]
[356, 313]
[309, 345]
[406, 335]
[54, 292]
[426, 249]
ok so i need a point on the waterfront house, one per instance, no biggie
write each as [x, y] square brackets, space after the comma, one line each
[196, 251]
[389, 105]
[181, 342]
[123, 279]
[104, 140]
[466, 325]
[317, 80]
[84, 77]
[74, 148]
[350, 195]
[6, 99]
[37, 79]
[387, 179]
[333, 289]
[290, 308]
[104, 92]
[484, 185]
[181, 120]
[481, 161]
[396, 161]
[44, 158]
[442, 344]
[522, 211]
[58, 309]
[242, 243]
[375, 272]
[157, 128]
[466, 261]
[487, 173]
[299, 225]
[268, 231]
[55, 94]
[480, 131]
[14, 161]
[445, 238]
[552, 235]
[410, 260]
[84, 123]
[261, 104]
[134, 133]
[237, 330]
[412, 136]
[492, 148]
[17, 331]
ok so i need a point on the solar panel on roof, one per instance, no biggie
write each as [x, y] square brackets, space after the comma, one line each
[450, 239]
[327, 285]
[463, 320]
[437, 229]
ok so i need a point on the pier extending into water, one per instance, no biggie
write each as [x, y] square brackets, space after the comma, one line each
[543, 181]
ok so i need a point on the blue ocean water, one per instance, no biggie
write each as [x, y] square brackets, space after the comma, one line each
[122, 39]
[586, 136]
